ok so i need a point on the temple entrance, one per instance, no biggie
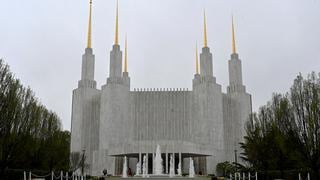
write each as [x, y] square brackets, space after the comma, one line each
[200, 163]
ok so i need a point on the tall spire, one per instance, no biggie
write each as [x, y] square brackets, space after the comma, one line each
[234, 51]
[126, 56]
[197, 60]
[116, 41]
[205, 29]
[89, 27]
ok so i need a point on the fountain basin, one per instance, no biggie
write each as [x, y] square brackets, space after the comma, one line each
[157, 177]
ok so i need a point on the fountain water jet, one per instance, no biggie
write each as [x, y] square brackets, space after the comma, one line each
[191, 168]
[144, 167]
[125, 170]
[179, 170]
[138, 169]
[171, 172]
[158, 168]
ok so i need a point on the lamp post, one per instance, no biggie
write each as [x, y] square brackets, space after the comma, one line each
[235, 159]
[235, 156]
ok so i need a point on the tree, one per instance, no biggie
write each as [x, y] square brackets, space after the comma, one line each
[225, 168]
[30, 134]
[305, 98]
[78, 162]
[75, 160]
[284, 134]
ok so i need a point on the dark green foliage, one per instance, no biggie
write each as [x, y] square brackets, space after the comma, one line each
[284, 134]
[225, 168]
[30, 135]
[78, 161]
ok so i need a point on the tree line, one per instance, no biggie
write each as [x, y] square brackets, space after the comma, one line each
[31, 137]
[284, 135]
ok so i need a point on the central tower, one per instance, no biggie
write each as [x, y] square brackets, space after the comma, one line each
[207, 107]
[115, 106]
[86, 105]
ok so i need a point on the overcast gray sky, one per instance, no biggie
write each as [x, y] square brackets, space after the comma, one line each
[43, 42]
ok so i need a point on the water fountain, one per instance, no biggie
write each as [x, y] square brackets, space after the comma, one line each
[158, 168]
[144, 167]
[191, 168]
[171, 172]
[138, 169]
[125, 168]
[179, 170]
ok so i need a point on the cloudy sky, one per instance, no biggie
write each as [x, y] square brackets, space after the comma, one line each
[43, 42]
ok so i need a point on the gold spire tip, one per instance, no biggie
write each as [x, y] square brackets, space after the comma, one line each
[234, 51]
[90, 27]
[205, 29]
[116, 41]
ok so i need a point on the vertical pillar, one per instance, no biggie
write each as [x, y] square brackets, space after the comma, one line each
[128, 165]
[167, 167]
[153, 162]
[174, 162]
[140, 162]
[180, 161]
[147, 166]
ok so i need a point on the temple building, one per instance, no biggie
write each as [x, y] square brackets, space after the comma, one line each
[115, 121]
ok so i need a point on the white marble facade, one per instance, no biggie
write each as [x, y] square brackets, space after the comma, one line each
[116, 121]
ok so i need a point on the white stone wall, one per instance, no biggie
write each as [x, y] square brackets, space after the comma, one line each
[115, 126]
[241, 114]
[88, 61]
[85, 121]
[230, 127]
[115, 121]
[209, 119]
[161, 115]
[237, 108]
